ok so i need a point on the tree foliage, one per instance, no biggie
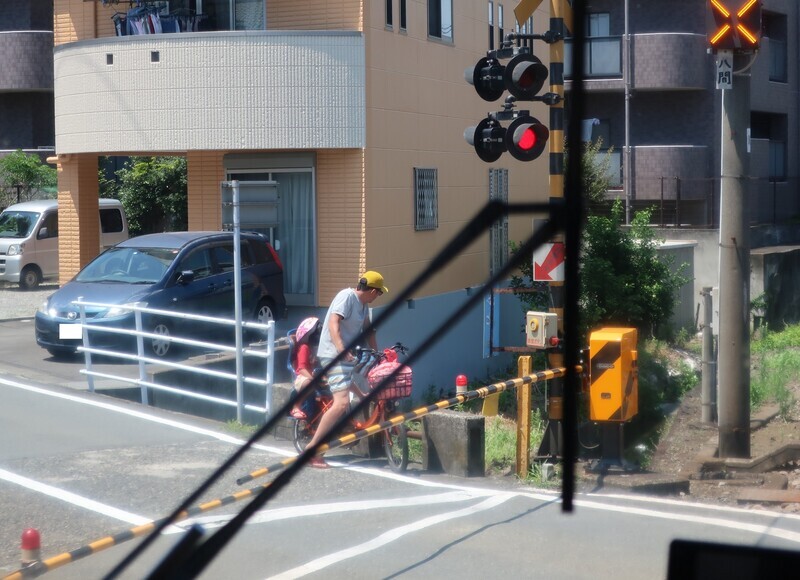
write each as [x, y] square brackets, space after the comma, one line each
[624, 281]
[595, 166]
[153, 191]
[24, 177]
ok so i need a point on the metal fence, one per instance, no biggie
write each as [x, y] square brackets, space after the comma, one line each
[694, 202]
[264, 350]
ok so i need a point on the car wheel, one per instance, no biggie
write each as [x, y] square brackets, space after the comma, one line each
[265, 312]
[161, 346]
[29, 278]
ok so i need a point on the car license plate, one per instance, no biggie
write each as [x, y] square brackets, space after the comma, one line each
[70, 331]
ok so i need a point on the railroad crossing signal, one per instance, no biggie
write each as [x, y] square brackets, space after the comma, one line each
[524, 76]
[732, 27]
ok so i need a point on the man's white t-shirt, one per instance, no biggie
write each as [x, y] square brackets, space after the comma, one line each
[347, 305]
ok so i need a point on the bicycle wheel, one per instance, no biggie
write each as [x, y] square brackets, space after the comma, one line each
[395, 443]
[302, 433]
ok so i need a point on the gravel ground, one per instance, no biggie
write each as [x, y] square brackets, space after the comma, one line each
[17, 303]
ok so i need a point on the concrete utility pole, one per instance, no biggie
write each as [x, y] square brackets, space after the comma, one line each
[734, 270]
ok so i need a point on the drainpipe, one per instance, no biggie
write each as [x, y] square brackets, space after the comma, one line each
[627, 74]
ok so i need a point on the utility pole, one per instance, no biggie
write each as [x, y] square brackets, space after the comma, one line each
[734, 270]
[734, 34]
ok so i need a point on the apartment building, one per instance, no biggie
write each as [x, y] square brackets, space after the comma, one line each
[343, 120]
[26, 77]
[652, 94]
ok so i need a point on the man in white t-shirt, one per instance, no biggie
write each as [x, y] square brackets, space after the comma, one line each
[347, 317]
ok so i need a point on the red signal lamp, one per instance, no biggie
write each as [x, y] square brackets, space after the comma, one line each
[526, 138]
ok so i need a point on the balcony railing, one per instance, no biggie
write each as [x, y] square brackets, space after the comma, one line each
[603, 57]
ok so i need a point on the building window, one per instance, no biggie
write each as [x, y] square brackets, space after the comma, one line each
[440, 19]
[500, 32]
[775, 31]
[426, 199]
[389, 15]
[403, 25]
[498, 234]
[491, 25]
[603, 53]
[773, 127]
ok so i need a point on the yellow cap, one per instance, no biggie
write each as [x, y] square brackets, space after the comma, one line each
[373, 280]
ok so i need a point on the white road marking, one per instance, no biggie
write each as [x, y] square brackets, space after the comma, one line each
[389, 536]
[74, 498]
[307, 510]
[471, 491]
[141, 415]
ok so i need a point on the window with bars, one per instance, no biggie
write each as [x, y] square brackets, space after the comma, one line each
[426, 199]
[498, 234]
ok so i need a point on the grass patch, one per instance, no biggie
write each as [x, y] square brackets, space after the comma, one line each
[776, 367]
[240, 429]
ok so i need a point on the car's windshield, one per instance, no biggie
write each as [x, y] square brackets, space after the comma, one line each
[129, 266]
[17, 224]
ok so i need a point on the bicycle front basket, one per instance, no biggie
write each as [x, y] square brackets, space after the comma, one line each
[398, 387]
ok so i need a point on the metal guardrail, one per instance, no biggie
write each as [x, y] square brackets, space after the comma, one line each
[265, 350]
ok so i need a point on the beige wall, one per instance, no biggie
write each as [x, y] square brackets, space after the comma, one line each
[204, 174]
[78, 212]
[418, 105]
[340, 220]
[314, 15]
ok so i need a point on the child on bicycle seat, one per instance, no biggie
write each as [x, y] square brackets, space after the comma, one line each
[304, 358]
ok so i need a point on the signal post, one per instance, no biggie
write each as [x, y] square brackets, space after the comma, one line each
[734, 32]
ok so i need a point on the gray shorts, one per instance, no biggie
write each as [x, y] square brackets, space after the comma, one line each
[340, 375]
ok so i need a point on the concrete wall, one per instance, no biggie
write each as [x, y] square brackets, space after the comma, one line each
[774, 269]
[775, 272]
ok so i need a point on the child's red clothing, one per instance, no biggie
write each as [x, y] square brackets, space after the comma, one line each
[304, 359]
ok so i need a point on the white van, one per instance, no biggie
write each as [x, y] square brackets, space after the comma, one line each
[29, 239]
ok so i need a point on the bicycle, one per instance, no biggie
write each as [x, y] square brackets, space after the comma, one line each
[370, 369]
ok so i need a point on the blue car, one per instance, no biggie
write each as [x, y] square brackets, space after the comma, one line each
[189, 272]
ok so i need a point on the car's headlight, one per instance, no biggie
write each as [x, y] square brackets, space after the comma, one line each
[15, 249]
[43, 307]
[122, 309]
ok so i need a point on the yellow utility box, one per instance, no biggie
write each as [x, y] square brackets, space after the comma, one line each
[614, 388]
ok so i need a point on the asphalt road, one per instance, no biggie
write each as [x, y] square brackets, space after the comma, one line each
[80, 467]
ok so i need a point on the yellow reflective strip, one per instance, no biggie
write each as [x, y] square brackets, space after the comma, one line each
[721, 7]
[143, 529]
[57, 561]
[743, 10]
[102, 544]
[214, 503]
[722, 31]
[746, 33]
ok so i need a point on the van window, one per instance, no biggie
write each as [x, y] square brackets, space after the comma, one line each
[17, 224]
[51, 223]
[110, 220]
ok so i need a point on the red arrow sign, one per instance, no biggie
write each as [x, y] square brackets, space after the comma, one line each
[554, 259]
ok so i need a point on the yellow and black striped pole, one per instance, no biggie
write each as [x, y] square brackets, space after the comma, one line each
[560, 19]
[49, 564]
[480, 393]
[37, 569]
